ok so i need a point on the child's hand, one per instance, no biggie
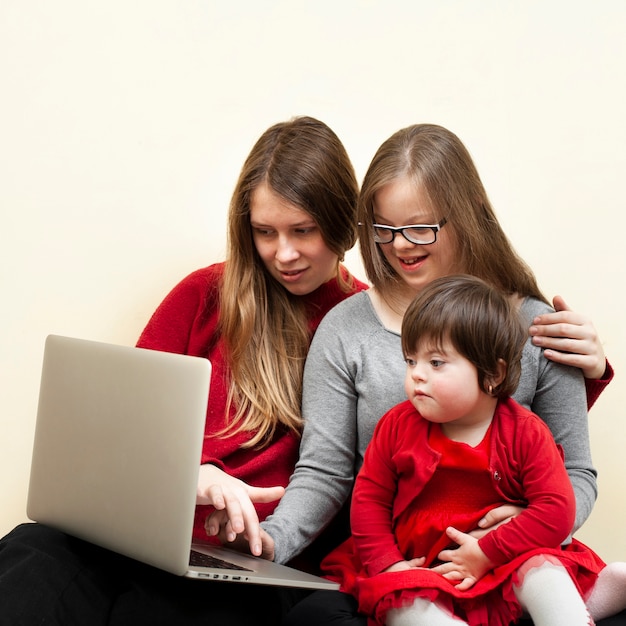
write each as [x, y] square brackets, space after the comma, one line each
[467, 563]
[402, 566]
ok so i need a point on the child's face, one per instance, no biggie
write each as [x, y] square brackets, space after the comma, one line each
[400, 203]
[443, 386]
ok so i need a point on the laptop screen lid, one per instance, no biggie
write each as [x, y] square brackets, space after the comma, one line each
[116, 455]
[117, 447]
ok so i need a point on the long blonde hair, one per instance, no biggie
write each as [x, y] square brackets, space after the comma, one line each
[438, 163]
[265, 327]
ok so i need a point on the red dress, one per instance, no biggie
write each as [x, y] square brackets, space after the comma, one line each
[458, 493]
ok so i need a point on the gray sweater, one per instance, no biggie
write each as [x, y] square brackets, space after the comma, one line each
[355, 373]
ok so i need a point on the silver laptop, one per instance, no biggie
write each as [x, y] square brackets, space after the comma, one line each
[116, 455]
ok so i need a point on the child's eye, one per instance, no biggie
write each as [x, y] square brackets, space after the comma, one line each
[410, 362]
[436, 363]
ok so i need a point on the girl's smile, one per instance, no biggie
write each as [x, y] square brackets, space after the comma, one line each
[401, 203]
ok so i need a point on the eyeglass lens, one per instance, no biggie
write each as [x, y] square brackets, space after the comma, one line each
[421, 235]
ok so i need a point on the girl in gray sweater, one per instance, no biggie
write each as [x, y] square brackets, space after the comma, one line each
[423, 213]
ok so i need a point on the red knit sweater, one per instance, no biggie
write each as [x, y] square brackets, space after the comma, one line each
[186, 322]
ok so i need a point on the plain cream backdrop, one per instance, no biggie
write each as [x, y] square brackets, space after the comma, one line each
[123, 125]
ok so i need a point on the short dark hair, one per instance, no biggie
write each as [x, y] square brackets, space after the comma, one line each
[479, 321]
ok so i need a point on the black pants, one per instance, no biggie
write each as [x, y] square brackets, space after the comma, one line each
[340, 609]
[49, 578]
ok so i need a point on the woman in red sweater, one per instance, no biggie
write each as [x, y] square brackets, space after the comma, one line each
[292, 217]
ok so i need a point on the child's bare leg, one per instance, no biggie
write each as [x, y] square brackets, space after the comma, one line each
[422, 612]
[550, 596]
[608, 596]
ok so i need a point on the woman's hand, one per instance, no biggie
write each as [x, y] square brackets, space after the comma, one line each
[569, 338]
[233, 500]
[219, 520]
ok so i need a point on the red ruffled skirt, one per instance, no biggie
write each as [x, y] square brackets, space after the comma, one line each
[490, 602]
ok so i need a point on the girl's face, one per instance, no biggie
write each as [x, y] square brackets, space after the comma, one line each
[443, 386]
[289, 243]
[401, 203]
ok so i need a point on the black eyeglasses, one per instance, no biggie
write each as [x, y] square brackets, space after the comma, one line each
[421, 234]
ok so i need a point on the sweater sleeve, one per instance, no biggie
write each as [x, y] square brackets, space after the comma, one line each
[543, 482]
[556, 393]
[596, 387]
[324, 474]
[560, 401]
[371, 515]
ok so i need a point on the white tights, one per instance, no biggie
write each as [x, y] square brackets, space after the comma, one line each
[551, 598]
[547, 594]
[422, 612]
[608, 595]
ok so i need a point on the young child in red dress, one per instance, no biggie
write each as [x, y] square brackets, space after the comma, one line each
[458, 447]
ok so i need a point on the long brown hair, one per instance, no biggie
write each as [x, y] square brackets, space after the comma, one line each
[477, 319]
[264, 326]
[438, 163]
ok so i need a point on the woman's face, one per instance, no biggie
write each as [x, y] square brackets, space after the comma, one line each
[401, 203]
[290, 243]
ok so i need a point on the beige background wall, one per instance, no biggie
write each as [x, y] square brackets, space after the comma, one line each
[123, 126]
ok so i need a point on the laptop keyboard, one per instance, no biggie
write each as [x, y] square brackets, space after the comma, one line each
[199, 559]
